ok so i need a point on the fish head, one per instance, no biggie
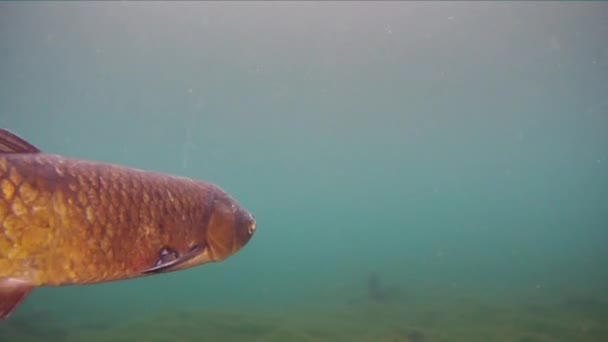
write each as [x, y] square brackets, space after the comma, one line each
[229, 229]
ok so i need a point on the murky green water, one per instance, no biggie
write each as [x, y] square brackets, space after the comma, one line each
[419, 171]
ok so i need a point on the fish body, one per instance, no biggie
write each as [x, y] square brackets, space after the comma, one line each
[69, 221]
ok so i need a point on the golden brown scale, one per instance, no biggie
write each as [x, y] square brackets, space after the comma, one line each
[71, 221]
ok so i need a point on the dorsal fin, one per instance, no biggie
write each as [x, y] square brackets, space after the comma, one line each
[11, 143]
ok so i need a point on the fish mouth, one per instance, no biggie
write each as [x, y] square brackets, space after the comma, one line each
[251, 228]
[244, 229]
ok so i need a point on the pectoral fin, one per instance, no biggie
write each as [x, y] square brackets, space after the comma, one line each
[12, 293]
[11, 143]
[168, 259]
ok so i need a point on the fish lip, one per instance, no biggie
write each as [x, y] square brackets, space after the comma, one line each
[251, 229]
[253, 224]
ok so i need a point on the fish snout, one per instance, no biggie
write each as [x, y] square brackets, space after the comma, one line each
[244, 228]
[230, 228]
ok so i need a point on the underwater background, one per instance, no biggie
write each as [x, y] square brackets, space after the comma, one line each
[431, 171]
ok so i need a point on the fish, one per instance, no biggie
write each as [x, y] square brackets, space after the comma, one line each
[68, 221]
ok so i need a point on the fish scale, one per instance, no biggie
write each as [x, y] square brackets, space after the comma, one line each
[71, 221]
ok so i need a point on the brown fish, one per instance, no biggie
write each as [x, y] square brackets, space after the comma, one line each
[70, 221]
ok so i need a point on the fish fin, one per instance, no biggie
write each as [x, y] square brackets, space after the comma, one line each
[11, 143]
[165, 266]
[12, 293]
